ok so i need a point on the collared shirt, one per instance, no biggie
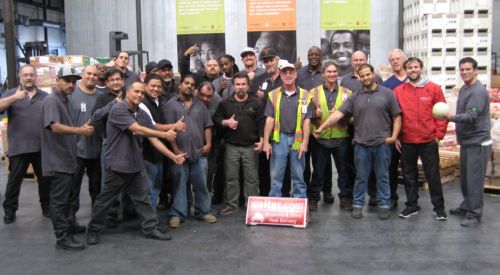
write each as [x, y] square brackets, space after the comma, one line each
[266, 83]
[124, 151]
[197, 119]
[307, 80]
[351, 82]
[129, 78]
[24, 124]
[58, 151]
[81, 106]
[372, 113]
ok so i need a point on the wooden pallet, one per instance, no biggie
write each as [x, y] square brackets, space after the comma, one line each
[448, 168]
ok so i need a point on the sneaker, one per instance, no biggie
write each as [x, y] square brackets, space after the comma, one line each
[328, 198]
[408, 211]
[470, 221]
[209, 218]
[313, 205]
[69, 243]
[174, 222]
[346, 204]
[440, 214]
[357, 212]
[91, 236]
[383, 213]
[458, 212]
[228, 210]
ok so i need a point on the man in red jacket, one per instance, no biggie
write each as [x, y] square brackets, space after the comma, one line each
[419, 137]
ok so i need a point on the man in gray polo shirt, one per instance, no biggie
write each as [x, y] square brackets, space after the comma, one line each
[88, 149]
[125, 169]
[374, 109]
[59, 154]
[23, 105]
[473, 127]
[197, 143]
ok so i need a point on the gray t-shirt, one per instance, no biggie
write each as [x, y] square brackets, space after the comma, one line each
[81, 105]
[372, 113]
[473, 122]
[24, 124]
[288, 111]
[124, 151]
[351, 82]
[58, 151]
[197, 120]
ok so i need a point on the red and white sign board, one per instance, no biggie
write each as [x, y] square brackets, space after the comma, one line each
[277, 211]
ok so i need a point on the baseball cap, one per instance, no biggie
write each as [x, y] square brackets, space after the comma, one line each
[247, 50]
[69, 71]
[164, 63]
[268, 52]
[286, 65]
[150, 66]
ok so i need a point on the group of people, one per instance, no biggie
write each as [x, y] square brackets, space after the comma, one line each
[270, 130]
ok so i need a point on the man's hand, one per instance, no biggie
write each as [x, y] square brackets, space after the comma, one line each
[260, 94]
[302, 149]
[251, 75]
[319, 113]
[170, 135]
[180, 159]
[231, 123]
[191, 50]
[267, 149]
[390, 140]
[180, 125]
[258, 147]
[20, 94]
[205, 150]
[224, 83]
[86, 129]
[398, 145]
[298, 64]
[119, 97]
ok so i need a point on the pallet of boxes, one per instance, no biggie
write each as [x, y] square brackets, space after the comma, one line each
[492, 174]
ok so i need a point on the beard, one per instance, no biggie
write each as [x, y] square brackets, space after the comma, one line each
[240, 92]
[28, 85]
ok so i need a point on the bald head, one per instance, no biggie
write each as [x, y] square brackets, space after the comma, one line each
[89, 76]
[358, 58]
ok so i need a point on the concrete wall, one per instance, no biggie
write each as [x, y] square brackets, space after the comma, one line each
[88, 23]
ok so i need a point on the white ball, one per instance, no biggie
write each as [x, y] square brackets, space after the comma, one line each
[440, 109]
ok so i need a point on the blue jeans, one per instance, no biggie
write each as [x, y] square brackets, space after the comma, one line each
[378, 157]
[155, 176]
[196, 173]
[280, 152]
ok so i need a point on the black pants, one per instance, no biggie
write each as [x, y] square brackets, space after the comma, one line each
[215, 173]
[264, 175]
[135, 185]
[429, 154]
[93, 169]
[60, 192]
[18, 165]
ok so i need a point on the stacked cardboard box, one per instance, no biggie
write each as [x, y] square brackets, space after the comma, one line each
[48, 66]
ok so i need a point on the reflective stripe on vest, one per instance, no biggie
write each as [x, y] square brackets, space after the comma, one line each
[275, 98]
[339, 129]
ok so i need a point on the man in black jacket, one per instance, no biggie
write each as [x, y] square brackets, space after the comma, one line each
[241, 117]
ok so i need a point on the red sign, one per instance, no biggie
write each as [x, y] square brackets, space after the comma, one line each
[277, 211]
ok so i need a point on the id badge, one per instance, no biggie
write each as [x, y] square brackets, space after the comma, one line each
[83, 107]
[304, 108]
[264, 86]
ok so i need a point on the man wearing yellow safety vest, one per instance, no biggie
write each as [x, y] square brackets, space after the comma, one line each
[286, 133]
[333, 141]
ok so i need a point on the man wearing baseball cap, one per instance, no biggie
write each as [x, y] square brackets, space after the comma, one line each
[249, 59]
[165, 71]
[286, 133]
[58, 142]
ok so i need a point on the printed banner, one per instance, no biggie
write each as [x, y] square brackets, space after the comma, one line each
[200, 16]
[345, 14]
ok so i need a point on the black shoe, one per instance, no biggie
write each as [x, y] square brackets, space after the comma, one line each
[313, 205]
[409, 211]
[458, 212]
[130, 215]
[328, 198]
[158, 235]
[394, 204]
[91, 236]
[440, 214]
[372, 201]
[162, 205]
[76, 228]
[111, 223]
[46, 211]
[10, 217]
[69, 243]
[470, 221]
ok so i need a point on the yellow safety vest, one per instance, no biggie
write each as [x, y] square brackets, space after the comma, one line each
[339, 129]
[275, 98]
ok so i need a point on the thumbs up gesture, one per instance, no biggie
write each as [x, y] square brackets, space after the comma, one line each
[231, 123]
[86, 129]
[298, 63]
[20, 93]
[180, 125]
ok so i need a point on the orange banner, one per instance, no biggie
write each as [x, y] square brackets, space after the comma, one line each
[271, 15]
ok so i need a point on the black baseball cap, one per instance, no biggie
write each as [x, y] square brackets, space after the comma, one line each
[164, 63]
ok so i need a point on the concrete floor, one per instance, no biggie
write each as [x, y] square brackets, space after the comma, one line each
[334, 243]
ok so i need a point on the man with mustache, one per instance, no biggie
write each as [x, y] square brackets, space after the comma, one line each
[59, 160]
[125, 170]
[165, 71]
[196, 142]
[209, 73]
[23, 105]
[241, 118]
